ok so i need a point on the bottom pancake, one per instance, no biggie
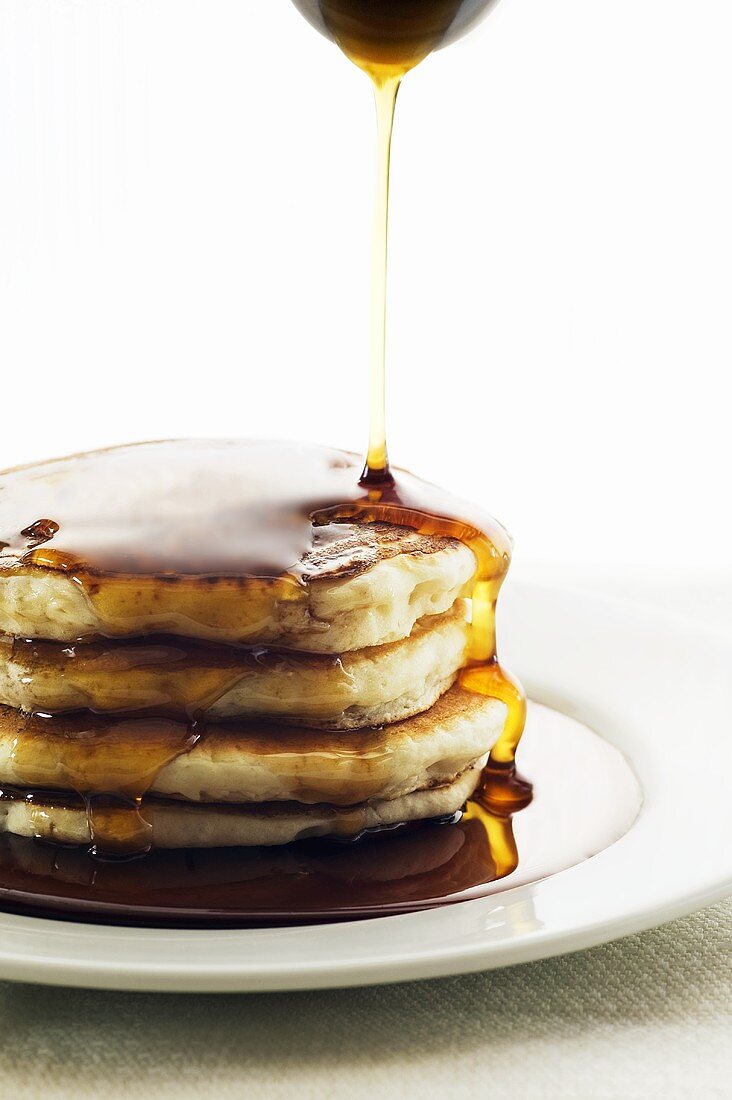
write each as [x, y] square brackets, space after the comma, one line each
[173, 824]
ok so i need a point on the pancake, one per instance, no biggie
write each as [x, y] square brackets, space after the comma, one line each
[370, 687]
[185, 825]
[212, 540]
[253, 762]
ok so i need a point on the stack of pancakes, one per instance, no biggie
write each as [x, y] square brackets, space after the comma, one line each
[227, 711]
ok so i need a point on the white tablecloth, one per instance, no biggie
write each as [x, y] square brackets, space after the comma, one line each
[647, 1017]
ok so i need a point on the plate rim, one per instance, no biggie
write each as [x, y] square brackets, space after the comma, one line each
[208, 978]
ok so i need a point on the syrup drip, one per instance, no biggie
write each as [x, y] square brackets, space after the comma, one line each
[377, 461]
[109, 762]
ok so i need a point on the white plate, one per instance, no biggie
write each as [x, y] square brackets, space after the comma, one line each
[656, 686]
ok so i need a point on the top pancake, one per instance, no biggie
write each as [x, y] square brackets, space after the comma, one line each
[221, 540]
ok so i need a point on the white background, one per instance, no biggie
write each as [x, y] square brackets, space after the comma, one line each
[185, 197]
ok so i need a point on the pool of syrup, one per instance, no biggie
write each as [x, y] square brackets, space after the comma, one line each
[585, 798]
